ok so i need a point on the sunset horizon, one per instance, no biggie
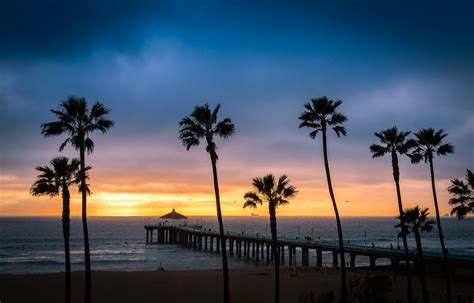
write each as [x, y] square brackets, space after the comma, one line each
[237, 151]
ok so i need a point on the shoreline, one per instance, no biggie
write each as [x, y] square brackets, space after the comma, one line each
[247, 285]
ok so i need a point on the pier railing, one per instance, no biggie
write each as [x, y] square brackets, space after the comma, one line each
[260, 247]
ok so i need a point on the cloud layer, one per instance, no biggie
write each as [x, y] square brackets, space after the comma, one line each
[152, 63]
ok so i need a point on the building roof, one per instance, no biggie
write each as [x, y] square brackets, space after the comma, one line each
[173, 215]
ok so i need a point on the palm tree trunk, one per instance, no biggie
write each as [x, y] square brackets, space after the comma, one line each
[441, 236]
[396, 178]
[338, 220]
[421, 262]
[276, 256]
[225, 266]
[87, 256]
[66, 233]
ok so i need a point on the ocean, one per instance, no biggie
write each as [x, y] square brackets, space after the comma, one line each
[35, 244]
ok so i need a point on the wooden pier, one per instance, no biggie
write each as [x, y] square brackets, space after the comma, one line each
[260, 248]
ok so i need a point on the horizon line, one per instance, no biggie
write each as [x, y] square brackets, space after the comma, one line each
[240, 216]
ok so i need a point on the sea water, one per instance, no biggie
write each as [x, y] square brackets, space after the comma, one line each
[35, 244]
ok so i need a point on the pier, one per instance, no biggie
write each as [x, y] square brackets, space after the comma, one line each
[260, 248]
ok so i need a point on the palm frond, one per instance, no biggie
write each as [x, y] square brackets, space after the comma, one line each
[190, 142]
[470, 178]
[251, 200]
[224, 128]
[268, 184]
[415, 157]
[89, 145]
[290, 192]
[382, 136]
[202, 123]
[250, 204]
[340, 130]
[267, 191]
[214, 113]
[445, 149]
[53, 128]
[461, 211]
[281, 185]
[337, 119]
[321, 112]
[416, 219]
[314, 133]
[430, 141]
[63, 145]
[258, 184]
[98, 110]
[378, 150]
[309, 124]
[52, 178]
[74, 119]
[463, 196]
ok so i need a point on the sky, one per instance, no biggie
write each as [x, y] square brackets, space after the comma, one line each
[392, 63]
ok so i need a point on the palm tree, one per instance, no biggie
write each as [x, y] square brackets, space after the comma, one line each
[395, 143]
[320, 114]
[51, 182]
[463, 196]
[74, 118]
[415, 220]
[202, 125]
[428, 142]
[265, 190]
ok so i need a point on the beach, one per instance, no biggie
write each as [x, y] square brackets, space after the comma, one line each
[247, 285]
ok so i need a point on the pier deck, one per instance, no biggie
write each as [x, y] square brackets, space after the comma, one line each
[260, 248]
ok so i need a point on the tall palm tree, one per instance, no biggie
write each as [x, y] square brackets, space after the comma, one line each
[51, 182]
[74, 118]
[202, 125]
[463, 193]
[320, 114]
[415, 220]
[428, 143]
[395, 143]
[265, 190]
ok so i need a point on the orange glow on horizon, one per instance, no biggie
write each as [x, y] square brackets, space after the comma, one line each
[198, 199]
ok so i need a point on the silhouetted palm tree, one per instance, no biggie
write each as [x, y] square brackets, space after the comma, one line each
[265, 190]
[76, 120]
[395, 143]
[51, 182]
[416, 221]
[428, 142]
[202, 125]
[320, 114]
[463, 193]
